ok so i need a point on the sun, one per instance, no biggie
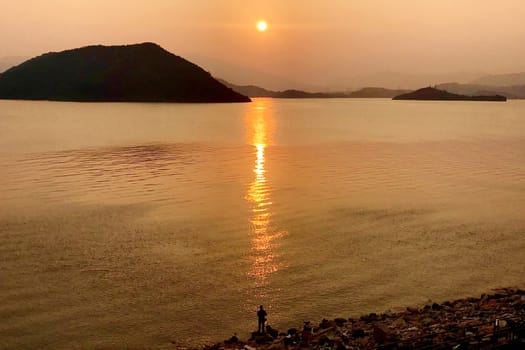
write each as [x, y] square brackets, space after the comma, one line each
[262, 26]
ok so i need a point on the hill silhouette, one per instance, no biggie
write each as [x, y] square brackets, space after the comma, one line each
[7, 62]
[430, 93]
[376, 92]
[366, 92]
[249, 90]
[130, 73]
[511, 92]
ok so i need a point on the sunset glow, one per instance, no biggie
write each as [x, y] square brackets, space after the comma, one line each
[334, 46]
[262, 26]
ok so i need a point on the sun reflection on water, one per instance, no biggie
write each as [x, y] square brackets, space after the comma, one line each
[264, 235]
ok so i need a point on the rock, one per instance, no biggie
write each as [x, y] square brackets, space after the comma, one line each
[412, 310]
[289, 340]
[323, 340]
[448, 304]
[274, 333]
[428, 321]
[260, 339]
[340, 321]
[369, 318]
[382, 335]
[358, 333]
[388, 314]
[399, 323]
[340, 346]
[232, 340]
[307, 336]
[436, 306]
[263, 338]
[432, 324]
[327, 324]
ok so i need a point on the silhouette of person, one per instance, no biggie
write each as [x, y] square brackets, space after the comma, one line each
[261, 315]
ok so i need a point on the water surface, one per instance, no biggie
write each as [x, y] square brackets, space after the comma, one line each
[139, 225]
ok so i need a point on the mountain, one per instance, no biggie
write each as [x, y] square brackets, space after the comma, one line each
[249, 90]
[501, 79]
[408, 81]
[513, 92]
[130, 73]
[10, 61]
[251, 74]
[430, 93]
[303, 94]
[256, 91]
[367, 92]
[374, 92]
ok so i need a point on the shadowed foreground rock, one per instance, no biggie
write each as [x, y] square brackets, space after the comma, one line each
[487, 322]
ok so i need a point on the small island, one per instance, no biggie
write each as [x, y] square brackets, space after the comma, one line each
[128, 73]
[433, 94]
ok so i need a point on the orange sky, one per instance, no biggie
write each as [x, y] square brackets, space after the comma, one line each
[325, 42]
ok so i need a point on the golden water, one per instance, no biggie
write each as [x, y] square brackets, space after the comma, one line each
[139, 225]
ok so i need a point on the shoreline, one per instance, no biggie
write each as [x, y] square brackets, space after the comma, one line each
[473, 322]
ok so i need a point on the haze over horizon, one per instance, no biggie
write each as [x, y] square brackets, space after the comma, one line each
[307, 43]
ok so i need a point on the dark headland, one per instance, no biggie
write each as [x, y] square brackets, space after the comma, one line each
[430, 93]
[129, 73]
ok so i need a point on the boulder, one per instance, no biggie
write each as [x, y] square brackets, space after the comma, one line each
[358, 333]
[292, 331]
[340, 321]
[382, 335]
[436, 306]
[327, 324]
[274, 333]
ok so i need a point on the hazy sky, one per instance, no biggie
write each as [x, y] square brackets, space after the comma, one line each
[320, 42]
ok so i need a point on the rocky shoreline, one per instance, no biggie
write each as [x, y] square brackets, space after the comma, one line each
[491, 321]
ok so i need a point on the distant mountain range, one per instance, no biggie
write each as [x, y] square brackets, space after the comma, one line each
[248, 75]
[510, 85]
[501, 80]
[373, 92]
[512, 92]
[131, 73]
[409, 80]
[368, 92]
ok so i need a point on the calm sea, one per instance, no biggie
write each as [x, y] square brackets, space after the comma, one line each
[165, 225]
